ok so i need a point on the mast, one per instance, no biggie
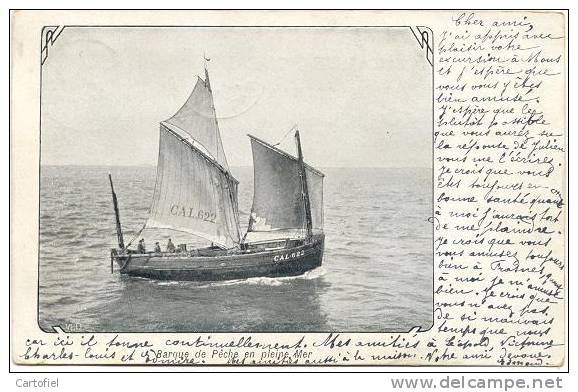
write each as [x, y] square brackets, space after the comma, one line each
[218, 135]
[207, 81]
[116, 215]
[304, 188]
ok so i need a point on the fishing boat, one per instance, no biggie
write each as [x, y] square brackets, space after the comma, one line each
[196, 193]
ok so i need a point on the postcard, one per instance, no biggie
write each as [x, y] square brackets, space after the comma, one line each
[289, 188]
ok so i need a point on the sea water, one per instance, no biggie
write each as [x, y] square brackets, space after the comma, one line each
[377, 272]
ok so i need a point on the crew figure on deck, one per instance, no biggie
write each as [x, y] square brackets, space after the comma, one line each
[170, 246]
[141, 246]
[157, 248]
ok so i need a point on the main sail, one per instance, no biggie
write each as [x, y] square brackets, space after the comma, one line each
[194, 190]
[197, 118]
[278, 198]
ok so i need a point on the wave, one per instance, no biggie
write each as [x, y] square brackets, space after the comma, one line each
[258, 281]
[377, 254]
[167, 283]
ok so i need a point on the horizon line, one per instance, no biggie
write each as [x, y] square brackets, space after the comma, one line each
[238, 166]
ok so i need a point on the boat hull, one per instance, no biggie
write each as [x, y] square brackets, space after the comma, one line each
[291, 261]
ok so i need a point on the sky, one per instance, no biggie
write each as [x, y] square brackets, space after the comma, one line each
[361, 97]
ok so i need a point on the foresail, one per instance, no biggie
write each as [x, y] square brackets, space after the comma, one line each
[193, 194]
[277, 198]
[197, 119]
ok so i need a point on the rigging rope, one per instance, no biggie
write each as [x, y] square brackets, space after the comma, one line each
[294, 127]
[135, 236]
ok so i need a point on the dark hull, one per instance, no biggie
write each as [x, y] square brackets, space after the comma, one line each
[290, 261]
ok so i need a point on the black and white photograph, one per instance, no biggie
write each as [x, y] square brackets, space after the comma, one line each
[236, 179]
[290, 191]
